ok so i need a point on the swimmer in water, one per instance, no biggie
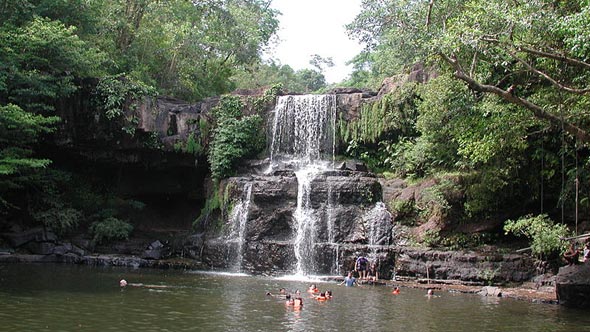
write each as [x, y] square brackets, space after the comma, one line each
[395, 291]
[298, 303]
[313, 289]
[123, 283]
[290, 301]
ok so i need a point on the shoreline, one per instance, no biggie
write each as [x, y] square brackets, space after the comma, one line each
[525, 292]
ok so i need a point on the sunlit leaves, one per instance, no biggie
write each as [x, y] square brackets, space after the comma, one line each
[40, 63]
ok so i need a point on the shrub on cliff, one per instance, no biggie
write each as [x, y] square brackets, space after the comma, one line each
[546, 236]
[235, 137]
[110, 229]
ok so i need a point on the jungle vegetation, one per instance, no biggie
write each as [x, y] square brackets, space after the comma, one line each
[503, 119]
[505, 112]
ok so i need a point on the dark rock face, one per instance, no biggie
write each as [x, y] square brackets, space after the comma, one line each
[572, 285]
[347, 218]
[464, 266]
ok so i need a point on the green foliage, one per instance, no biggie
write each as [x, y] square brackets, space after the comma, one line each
[404, 211]
[117, 94]
[431, 238]
[185, 48]
[213, 208]
[390, 117]
[60, 220]
[40, 61]
[19, 131]
[192, 146]
[434, 200]
[534, 50]
[544, 234]
[460, 241]
[477, 137]
[413, 158]
[488, 275]
[266, 74]
[375, 136]
[52, 205]
[235, 137]
[110, 229]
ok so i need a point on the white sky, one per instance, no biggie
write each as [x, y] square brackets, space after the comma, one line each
[310, 27]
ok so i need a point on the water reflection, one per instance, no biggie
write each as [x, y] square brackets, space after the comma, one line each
[70, 298]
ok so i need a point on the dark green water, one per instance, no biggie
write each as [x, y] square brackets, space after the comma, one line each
[79, 298]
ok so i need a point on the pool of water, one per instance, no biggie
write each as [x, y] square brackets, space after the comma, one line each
[80, 298]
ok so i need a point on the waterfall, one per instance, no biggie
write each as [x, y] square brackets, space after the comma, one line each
[379, 220]
[303, 138]
[305, 220]
[304, 130]
[330, 215]
[330, 228]
[239, 217]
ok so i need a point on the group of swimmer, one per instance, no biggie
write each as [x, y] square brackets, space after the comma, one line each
[295, 300]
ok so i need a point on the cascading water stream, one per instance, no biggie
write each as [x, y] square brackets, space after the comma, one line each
[378, 219]
[330, 229]
[239, 219]
[304, 138]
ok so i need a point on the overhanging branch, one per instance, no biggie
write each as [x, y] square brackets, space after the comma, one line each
[538, 111]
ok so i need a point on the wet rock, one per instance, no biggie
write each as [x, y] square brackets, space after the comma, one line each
[572, 285]
[353, 165]
[490, 291]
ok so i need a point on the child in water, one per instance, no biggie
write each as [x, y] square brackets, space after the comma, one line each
[313, 289]
[290, 301]
[298, 303]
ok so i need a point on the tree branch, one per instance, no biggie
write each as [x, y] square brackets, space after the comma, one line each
[577, 132]
[430, 5]
[554, 56]
[549, 78]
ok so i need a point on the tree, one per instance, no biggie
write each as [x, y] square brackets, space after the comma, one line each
[40, 62]
[529, 53]
[19, 132]
[319, 62]
[189, 49]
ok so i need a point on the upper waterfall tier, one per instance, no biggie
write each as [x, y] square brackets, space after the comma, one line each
[304, 129]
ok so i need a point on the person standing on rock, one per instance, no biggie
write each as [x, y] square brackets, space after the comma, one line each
[361, 267]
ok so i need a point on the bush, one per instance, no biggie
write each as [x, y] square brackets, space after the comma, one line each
[110, 229]
[60, 220]
[545, 235]
[404, 211]
[236, 137]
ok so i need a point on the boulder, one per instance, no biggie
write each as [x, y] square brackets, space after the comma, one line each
[572, 285]
[38, 234]
[353, 165]
[490, 291]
